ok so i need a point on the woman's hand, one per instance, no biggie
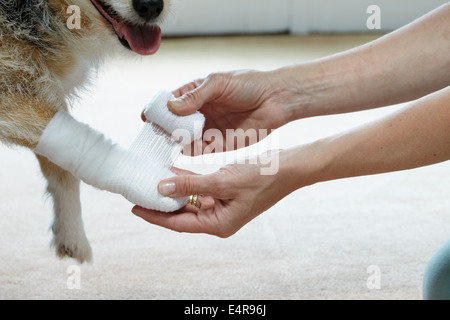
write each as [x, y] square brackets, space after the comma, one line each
[231, 197]
[244, 100]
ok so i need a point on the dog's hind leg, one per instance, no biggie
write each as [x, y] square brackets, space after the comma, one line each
[69, 236]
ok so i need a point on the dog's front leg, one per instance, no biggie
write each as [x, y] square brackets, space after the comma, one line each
[69, 236]
[22, 122]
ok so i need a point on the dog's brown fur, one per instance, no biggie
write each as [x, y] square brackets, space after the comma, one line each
[42, 65]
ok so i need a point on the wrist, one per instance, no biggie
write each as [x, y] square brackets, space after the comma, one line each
[304, 165]
[292, 92]
[310, 89]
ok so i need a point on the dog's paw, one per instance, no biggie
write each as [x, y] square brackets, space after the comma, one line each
[77, 248]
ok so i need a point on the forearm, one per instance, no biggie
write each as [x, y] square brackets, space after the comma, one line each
[415, 136]
[401, 66]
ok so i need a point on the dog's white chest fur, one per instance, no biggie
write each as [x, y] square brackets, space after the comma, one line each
[78, 78]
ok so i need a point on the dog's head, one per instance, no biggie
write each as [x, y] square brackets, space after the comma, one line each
[135, 22]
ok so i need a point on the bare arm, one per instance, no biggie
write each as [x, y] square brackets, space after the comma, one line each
[416, 136]
[401, 66]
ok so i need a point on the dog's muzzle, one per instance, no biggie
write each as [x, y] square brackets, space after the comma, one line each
[144, 38]
[148, 9]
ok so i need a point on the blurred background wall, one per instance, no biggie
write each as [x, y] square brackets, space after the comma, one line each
[210, 17]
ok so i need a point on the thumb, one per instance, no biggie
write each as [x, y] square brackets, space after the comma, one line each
[186, 185]
[195, 99]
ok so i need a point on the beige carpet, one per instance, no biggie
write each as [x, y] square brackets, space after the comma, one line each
[315, 244]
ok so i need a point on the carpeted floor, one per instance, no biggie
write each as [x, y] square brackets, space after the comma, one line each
[315, 244]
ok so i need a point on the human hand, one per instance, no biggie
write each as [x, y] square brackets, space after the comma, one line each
[244, 100]
[231, 197]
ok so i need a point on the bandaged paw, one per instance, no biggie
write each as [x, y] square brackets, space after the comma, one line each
[98, 161]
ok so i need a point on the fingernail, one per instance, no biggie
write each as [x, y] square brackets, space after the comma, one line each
[175, 104]
[166, 188]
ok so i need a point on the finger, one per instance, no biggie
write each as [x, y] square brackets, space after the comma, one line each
[181, 91]
[194, 100]
[181, 172]
[187, 185]
[203, 202]
[181, 222]
[187, 87]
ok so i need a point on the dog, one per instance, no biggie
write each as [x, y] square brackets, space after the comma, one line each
[44, 62]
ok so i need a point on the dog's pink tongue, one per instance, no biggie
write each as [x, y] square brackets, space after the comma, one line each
[144, 40]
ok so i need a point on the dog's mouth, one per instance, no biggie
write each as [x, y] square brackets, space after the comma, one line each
[143, 39]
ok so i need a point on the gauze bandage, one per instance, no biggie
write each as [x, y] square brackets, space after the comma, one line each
[132, 172]
[183, 129]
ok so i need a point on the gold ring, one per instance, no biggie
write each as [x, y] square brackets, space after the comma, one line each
[193, 200]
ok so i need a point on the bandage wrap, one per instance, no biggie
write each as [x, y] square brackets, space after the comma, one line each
[189, 127]
[134, 172]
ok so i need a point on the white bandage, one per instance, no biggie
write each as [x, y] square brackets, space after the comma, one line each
[98, 161]
[188, 128]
